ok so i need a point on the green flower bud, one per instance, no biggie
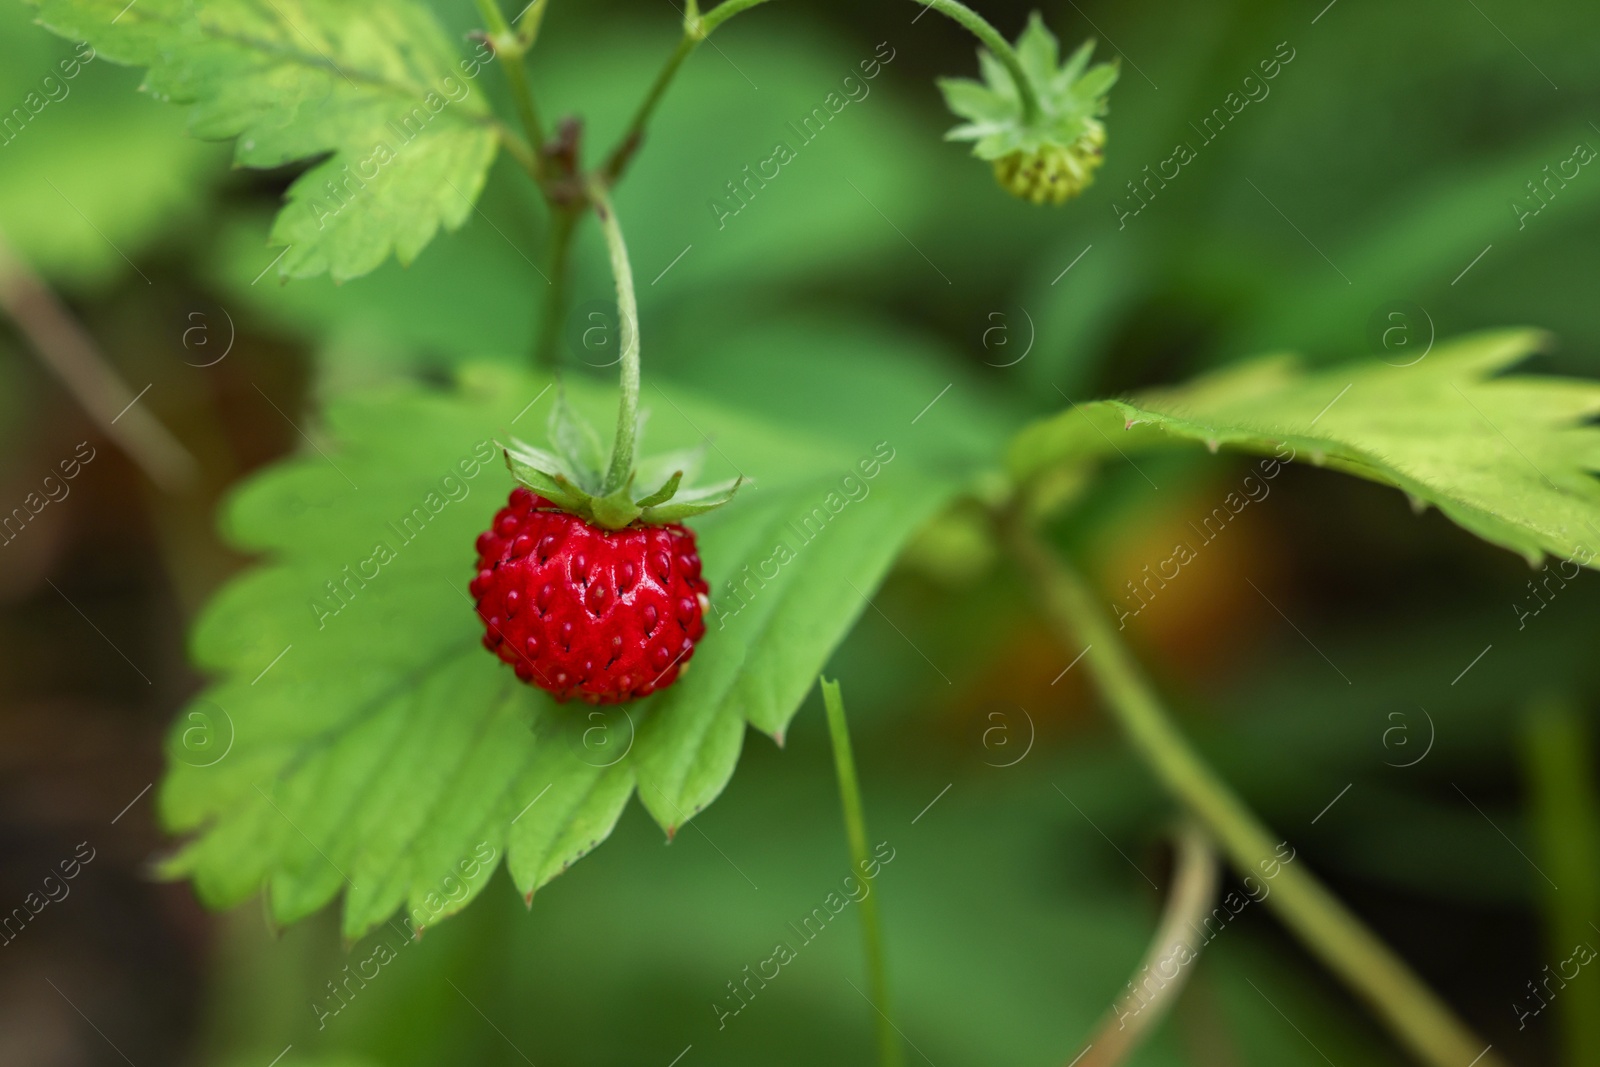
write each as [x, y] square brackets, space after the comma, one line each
[1052, 174]
[1048, 152]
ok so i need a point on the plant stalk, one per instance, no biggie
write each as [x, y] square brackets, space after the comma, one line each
[621, 467]
[1412, 1012]
[1135, 1014]
[996, 44]
[890, 1052]
[563, 222]
[725, 11]
[517, 148]
[510, 49]
[696, 28]
[66, 348]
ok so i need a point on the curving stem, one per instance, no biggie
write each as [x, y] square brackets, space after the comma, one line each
[1136, 1013]
[998, 45]
[696, 28]
[1412, 1012]
[621, 467]
[66, 348]
[510, 48]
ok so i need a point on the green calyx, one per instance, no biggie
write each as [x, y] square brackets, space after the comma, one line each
[1050, 155]
[575, 475]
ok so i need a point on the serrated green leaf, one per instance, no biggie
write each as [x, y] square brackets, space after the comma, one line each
[771, 618]
[375, 748]
[1510, 458]
[374, 86]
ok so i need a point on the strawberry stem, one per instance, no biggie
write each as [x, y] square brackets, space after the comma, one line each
[1413, 1013]
[621, 466]
[996, 44]
[696, 28]
[1137, 1012]
[564, 221]
[510, 49]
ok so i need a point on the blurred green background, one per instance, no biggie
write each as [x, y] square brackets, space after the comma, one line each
[1376, 178]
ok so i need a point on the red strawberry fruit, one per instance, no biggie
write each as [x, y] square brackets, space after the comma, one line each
[604, 615]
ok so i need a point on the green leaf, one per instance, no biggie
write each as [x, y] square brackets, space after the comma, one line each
[373, 747]
[1510, 458]
[449, 305]
[951, 418]
[373, 86]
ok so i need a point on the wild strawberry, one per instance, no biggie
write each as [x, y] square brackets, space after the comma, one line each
[587, 588]
[582, 611]
[1052, 174]
[1042, 133]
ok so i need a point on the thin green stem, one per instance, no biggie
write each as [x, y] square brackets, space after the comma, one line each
[696, 28]
[723, 12]
[628, 144]
[510, 49]
[518, 149]
[621, 468]
[1416, 1017]
[890, 1052]
[522, 94]
[563, 223]
[998, 45]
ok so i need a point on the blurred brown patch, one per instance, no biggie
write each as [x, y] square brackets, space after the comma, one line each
[1181, 583]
